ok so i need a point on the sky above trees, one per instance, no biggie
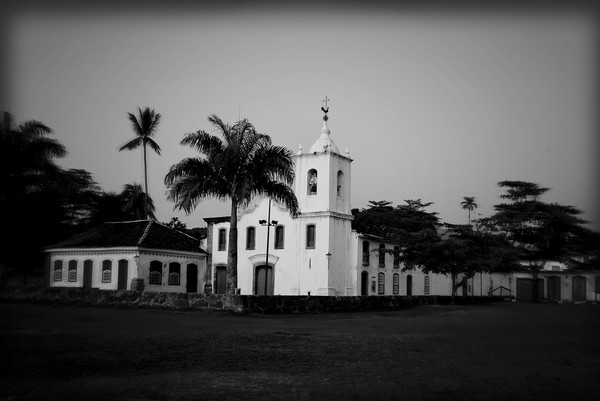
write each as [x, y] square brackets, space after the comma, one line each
[432, 103]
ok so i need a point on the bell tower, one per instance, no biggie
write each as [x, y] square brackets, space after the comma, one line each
[323, 188]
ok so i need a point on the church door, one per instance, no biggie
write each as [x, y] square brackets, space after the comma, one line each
[263, 280]
[191, 281]
[122, 277]
[409, 285]
[87, 274]
[221, 280]
[364, 283]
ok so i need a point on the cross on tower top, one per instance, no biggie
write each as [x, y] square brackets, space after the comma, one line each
[325, 109]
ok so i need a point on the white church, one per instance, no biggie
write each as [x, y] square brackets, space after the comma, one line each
[317, 253]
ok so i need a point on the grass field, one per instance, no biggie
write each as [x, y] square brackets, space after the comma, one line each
[504, 351]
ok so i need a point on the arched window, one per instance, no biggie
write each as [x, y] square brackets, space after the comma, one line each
[106, 271]
[365, 253]
[381, 283]
[222, 239]
[58, 265]
[72, 270]
[174, 273]
[426, 285]
[312, 181]
[155, 272]
[396, 257]
[340, 183]
[250, 238]
[396, 284]
[381, 255]
[310, 236]
[279, 237]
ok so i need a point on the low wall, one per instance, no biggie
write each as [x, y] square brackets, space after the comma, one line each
[234, 303]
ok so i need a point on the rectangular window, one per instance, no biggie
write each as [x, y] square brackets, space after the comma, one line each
[381, 255]
[426, 287]
[381, 284]
[250, 238]
[72, 271]
[396, 257]
[106, 271]
[279, 237]
[174, 273]
[222, 239]
[58, 270]
[365, 253]
[396, 284]
[310, 236]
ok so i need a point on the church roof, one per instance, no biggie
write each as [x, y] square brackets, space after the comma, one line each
[139, 233]
[324, 143]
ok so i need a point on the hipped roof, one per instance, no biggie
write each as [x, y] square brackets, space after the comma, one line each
[140, 233]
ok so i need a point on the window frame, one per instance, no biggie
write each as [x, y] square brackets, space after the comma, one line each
[107, 268]
[366, 253]
[250, 238]
[222, 239]
[426, 285]
[279, 240]
[381, 255]
[72, 267]
[396, 257]
[311, 241]
[174, 273]
[396, 284]
[154, 272]
[58, 268]
[381, 283]
[312, 173]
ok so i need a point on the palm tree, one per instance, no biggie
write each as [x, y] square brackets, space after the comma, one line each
[241, 165]
[136, 203]
[144, 126]
[469, 204]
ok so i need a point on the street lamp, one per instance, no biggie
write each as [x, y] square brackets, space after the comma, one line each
[328, 256]
[267, 223]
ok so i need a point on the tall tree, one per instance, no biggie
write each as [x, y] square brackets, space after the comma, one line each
[237, 167]
[27, 171]
[469, 204]
[539, 231]
[144, 126]
[137, 204]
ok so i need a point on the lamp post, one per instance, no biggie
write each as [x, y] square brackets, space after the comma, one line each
[328, 256]
[267, 223]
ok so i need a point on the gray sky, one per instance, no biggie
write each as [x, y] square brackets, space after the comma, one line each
[431, 104]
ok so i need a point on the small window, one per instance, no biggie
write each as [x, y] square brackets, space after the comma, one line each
[396, 284]
[310, 236]
[381, 255]
[381, 284]
[222, 239]
[174, 273]
[396, 257]
[155, 272]
[426, 286]
[106, 271]
[279, 237]
[555, 268]
[72, 270]
[340, 183]
[58, 265]
[312, 182]
[365, 253]
[250, 238]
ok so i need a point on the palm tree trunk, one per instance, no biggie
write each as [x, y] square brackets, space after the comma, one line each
[145, 212]
[232, 251]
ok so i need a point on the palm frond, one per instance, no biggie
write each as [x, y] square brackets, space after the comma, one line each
[131, 144]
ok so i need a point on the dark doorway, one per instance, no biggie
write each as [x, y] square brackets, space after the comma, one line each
[364, 283]
[191, 281]
[579, 288]
[263, 280]
[220, 280]
[525, 289]
[122, 277]
[87, 273]
[409, 285]
[553, 288]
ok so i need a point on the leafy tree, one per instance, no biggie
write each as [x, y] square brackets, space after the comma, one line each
[137, 205]
[469, 204]
[29, 208]
[176, 224]
[539, 231]
[241, 165]
[144, 126]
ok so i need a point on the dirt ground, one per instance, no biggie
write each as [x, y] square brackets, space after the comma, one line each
[506, 351]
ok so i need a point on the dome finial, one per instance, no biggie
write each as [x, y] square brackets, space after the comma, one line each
[325, 109]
